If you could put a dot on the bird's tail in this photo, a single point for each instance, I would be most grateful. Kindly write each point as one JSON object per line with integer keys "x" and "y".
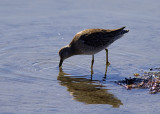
{"x": 120, "y": 31}
{"x": 124, "y": 31}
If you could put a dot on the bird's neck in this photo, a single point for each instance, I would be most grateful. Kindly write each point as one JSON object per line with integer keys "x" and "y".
{"x": 70, "y": 50}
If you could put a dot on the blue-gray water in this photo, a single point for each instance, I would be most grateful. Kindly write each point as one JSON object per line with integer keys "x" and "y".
{"x": 31, "y": 34}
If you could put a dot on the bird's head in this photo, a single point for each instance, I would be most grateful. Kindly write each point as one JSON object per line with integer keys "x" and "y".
{"x": 64, "y": 53}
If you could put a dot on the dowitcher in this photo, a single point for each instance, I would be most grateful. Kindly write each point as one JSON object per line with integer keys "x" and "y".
{"x": 90, "y": 42}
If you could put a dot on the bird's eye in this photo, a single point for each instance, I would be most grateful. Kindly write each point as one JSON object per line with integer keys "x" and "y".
{"x": 61, "y": 54}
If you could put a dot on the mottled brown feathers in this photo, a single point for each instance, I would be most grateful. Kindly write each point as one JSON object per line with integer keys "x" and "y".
{"x": 98, "y": 37}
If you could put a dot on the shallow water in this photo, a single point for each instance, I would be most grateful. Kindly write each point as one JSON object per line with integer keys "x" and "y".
{"x": 31, "y": 34}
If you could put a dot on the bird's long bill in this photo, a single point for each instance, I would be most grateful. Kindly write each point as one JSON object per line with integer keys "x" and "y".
{"x": 60, "y": 63}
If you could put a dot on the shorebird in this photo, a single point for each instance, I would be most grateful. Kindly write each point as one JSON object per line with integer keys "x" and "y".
{"x": 90, "y": 42}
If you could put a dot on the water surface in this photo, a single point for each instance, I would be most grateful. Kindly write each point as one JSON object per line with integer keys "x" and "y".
{"x": 31, "y": 34}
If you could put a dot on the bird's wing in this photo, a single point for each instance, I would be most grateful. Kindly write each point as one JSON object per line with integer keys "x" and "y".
{"x": 96, "y": 39}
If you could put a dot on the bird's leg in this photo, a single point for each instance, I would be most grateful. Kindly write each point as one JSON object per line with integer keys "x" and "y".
{"x": 92, "y": 66}
{"x": 105, "y": 75}
{"x": 107, "y": 63}
{"x": 107, "y": 56}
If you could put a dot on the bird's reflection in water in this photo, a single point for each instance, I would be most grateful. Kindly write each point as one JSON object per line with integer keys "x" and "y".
{"x": 87, "y": 91}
